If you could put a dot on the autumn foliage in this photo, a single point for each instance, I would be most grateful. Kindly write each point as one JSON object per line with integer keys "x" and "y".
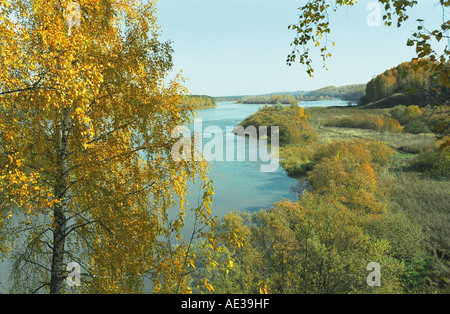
{"x": 86, "y": 173}
{"x": 292, "y": 121}
{"x": 376, "y": 122}
{"x": 323, "y": 242}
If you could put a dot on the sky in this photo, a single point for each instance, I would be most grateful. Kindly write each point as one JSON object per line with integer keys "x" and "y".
{"x": 239, "y": 47}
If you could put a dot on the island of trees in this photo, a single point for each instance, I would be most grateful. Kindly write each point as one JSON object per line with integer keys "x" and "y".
{"x": 269, "y": 99}
{"x": 199, "y": 102}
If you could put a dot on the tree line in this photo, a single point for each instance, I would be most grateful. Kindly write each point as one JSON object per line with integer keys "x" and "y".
{"x": 271, "y": 100}
{"x": 199, "y": 101}
{"x": 416, "y": 82}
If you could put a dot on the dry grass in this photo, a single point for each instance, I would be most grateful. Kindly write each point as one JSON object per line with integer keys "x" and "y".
{"x": 425, "y": 201}
{"x": 411, "y": 143}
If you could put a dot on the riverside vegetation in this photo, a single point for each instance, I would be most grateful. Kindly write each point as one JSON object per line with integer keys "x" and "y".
{"x": 373, "y": 186}
{"x": 365, "y": 195}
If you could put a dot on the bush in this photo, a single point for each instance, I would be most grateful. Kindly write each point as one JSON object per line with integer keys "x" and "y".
{"x": 292, "y": 121}
{"x": 348, "y": 169}
{"x": 296, "y": 160}
{"x": 393, "y": 126}
{"x": 316, "y": 245}
{"x": 357, "y": 150}
{"x": 380, "y": 152}
{"x": 398, "y": 113}
{"x": 365, "y": 121}
{"x": 417, "y": 127}
{"x": 434, "y": 161}
{"x": 354, "y": 149}
{"x": 422, "y": 120}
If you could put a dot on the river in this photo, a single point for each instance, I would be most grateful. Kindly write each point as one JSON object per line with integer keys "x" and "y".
{"x": 238, "y": 185}
{"x": 241, "y": 185}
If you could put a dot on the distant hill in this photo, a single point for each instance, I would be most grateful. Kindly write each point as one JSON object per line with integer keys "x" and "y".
{"x": 295, "y": 93}
{"x": 346, "y": 92}
{"x": 229, "y": 98}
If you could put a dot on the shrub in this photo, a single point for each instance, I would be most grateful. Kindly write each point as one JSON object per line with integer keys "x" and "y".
{"x": 398, "y": 113}
{"x": 292, "y": 121}
{"x": 365, "y": 121}
{"x": 296, "y": 159}
{"x": 356, "y": 150}
{"x": 417, "y": 127}
{"x": 381, "y": 153}
{"x": 393, "y": 126}
{"x": 434, "y": 161}
{"x": 422, "y": 120}
{"x": 347, "y": 169}
{"x": 412, "y": 112}
{"x": 316, "y": 245}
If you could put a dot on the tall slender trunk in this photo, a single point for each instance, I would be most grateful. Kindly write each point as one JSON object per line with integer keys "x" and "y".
{"x": 59, "y": 239}
{"x": 60, "y": 209}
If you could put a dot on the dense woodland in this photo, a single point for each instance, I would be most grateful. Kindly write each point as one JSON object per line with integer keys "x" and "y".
{"x": 411, "y": 83}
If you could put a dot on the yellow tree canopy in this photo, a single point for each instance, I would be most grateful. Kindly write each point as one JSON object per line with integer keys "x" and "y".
{"x": 86, "y": 174}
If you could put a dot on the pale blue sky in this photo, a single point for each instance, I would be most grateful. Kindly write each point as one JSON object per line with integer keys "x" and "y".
{"x": 236, "y": 47}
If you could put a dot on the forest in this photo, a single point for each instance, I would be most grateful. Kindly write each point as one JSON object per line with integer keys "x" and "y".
{"x": 411, "y": 83}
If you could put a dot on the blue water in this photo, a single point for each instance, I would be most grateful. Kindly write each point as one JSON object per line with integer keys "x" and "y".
{"x": 237, "y": 184}
{"x": 240, "y": 184}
